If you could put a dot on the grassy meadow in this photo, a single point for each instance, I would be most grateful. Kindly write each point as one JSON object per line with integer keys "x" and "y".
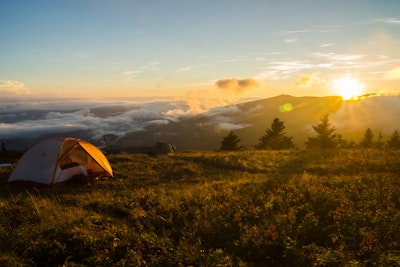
{"x": 245, "y": 208}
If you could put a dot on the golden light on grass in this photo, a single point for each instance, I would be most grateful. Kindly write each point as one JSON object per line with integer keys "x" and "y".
{"x": 348, "y": 87}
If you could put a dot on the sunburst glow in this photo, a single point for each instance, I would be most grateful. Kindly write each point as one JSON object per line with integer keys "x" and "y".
{"x": 348, "y": 87}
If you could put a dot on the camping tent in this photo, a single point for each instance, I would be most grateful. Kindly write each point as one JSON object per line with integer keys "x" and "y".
{"x": 57, "y": 160}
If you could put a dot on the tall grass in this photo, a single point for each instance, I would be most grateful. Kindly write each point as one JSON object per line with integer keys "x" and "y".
{"x": 247, "y": 208}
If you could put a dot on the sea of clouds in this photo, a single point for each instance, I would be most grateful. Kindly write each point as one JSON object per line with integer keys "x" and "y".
{"x": 30, "y": 118}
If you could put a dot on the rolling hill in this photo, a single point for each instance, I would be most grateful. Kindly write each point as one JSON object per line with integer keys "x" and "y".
{"x": 250, "y": 120}
{"x": 128, "y": 126}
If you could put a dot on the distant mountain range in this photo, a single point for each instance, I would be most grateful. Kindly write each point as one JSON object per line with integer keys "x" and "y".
{"x": 250, "y": 120}
{"x": 127, "y": 127}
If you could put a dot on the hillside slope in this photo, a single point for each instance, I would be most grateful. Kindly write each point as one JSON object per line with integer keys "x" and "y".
{"x": 141, "y": 125}
{"x": 250, "y": 208}
{"x": 250, "y": 120}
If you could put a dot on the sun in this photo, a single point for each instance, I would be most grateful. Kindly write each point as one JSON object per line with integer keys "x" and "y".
{"x": 348, "y": 87}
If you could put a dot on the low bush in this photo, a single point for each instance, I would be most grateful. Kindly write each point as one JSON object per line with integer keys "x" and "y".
{"x": 243, "y": 208}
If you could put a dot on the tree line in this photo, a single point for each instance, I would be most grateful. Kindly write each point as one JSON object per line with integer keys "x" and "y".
{"x": 325, "y": 138}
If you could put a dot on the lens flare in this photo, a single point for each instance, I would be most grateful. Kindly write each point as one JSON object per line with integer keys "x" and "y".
{"x": 285, "y": 107}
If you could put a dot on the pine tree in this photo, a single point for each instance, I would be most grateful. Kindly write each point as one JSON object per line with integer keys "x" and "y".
{"x": 394, "y": 141}
{"x": 325, "y": 138}
{"x": 367, "y": 141}
{"x": 275, "y": 138}
{"x": 379, "y": 144}
{"x": 230, "y": 143}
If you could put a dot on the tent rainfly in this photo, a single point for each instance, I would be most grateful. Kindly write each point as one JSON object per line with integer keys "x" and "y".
{"x": 57, "y": 160}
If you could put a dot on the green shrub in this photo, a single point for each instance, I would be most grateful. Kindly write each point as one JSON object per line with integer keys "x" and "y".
{"x": 245, "y": 208}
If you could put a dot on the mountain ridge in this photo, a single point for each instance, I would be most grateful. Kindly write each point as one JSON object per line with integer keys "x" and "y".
{"x": 249, "y": 121}
{"x": 132, "y": 126}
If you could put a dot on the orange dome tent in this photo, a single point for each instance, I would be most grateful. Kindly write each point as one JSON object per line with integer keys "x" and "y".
{"x": 57, "y": 160}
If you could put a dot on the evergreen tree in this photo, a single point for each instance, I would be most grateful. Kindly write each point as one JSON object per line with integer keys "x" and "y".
{"x": 274, "y": 138}
{"x": 350, "y": 144}
{"x": 379, "y": 144}
{"x": 325, "y": 138}
{"x": 230, "y": 143}
{"x": 367, "y": 141}
{"x": 341, "y": 142}
{"x": 394, "y": 140}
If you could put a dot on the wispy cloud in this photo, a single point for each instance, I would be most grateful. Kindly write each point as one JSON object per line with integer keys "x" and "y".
{"x": 321, "y": 61}
{"x": 327, "y": 44}
{"x": 290, "y": 32}
{"x": 340, "y": 61}
{"x": 393, "y": 74}
{"x": 132, "y": 74}
{"x": 269, "y": 75}
{"x": 355, "y": 61}
{"x": 338, "y": 57}
{"x": 328, "y": 28}
{"x": 184, "y": 69}
{"x": 291, "y": 35}
{"x": 283, "y": 69}
{"x": 395, "y": 21}
{"x": 291, "y": 40}
{"x": 290, "y": 66}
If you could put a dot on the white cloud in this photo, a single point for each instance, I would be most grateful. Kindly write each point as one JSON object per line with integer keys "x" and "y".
{"x": 291, "y": 40}
{"x": 294, "y": 31}
{"x": 295, "y": 65}
{"x": 269, "y": 75}
{"x": 390, "y": 21}
{"x": 283, "y": 69}
{"x": 224, "y": 126}
{"x": 339, "y": 57}
{"x": 131, "y": 74}
{"x": 99, "y": 119}
{"x": 13, "y": 88}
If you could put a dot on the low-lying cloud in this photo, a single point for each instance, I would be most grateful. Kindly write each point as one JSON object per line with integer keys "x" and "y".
{"x": 226, "y": 127}
{"x": 237, "y": 86}
{"x": 95, "y": 119}
{"x": 30, "y": 118}
{"x": 13, "y": 89}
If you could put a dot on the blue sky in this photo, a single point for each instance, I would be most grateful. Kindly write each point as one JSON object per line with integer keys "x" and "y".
{"x": 219, "y": 48}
